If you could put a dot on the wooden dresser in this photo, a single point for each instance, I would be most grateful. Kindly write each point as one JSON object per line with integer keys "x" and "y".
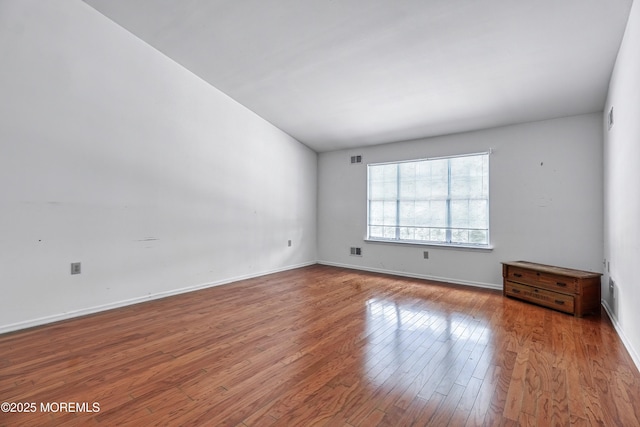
{"x": 572, "y": 291}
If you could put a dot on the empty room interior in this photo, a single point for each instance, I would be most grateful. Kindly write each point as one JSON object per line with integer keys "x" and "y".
{"x": 333, "y": 212}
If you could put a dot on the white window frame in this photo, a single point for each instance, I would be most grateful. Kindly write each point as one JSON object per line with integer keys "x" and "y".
{"x": 448, "y": 241}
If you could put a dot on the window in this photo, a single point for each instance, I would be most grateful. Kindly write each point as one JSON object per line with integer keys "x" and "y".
{"x": 434, "y": 201}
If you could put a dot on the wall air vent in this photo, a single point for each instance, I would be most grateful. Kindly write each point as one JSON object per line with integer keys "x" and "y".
{"x": 356, "y": 159}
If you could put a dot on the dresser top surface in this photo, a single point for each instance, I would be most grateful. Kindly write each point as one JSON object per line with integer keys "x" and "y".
{"x": 580, "y": 274}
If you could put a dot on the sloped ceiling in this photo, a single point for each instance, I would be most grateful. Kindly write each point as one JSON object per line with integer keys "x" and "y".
{"x": 346, "y": 73}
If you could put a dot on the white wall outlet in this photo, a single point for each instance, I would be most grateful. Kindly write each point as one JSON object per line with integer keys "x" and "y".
{"x": 75, "y": 268}
{"x": 612, "y": 288}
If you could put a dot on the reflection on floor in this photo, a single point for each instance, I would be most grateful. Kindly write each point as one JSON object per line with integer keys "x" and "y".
{"x": 325, "y": 346}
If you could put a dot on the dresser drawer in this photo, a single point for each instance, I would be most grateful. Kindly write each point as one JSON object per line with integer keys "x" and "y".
{"x": 551, "y": 299}
{"x": 565, "y": 289}
{"x": 549, "y": 281}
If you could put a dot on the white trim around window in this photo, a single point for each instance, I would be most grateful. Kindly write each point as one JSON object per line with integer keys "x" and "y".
{"x": 440, "y": 201}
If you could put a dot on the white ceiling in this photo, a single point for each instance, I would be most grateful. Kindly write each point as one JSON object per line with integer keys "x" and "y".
{"x": 346, "y": 73}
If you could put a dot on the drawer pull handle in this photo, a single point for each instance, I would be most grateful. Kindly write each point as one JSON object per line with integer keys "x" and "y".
{"x": 561, "y": 284}
{"x": 517, "y": 275}
{"x": 515, "y": 291}
{"x": 559, "y": 302}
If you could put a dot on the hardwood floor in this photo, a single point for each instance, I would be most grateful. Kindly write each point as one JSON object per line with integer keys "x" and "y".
{"x": 323, "y": 346}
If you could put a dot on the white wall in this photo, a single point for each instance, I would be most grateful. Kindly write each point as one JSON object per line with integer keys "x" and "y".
{"x": 546, "y": 202}
{"x": 622, "y": 188}
{"x": 117, "y": 157}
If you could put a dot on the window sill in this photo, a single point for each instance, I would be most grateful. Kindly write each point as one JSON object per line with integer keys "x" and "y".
{"x": 433, "y": 245}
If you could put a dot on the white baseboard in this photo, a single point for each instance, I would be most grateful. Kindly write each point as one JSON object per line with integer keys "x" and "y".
{"x": 415, "y": 275}
{"x": 104, "y": 307}
{"x": 632, "y": 352}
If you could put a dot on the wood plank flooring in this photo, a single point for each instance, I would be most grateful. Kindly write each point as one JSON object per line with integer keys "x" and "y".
{"x": 323, "y": 346}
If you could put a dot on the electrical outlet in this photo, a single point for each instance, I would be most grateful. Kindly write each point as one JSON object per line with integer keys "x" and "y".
{"x": 75, "y": 268}
{"x": 425, "y": 254}
{"x": 289, "y": 243}
{"x": 356, "y": 251}
{"x": 612, "y": 288}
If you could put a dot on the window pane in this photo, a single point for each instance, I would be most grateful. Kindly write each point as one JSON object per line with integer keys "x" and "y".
{"x": 407, "y": 180}
{"x": 407, "y": 213}
{"x": 459, "y": 235}
{"x": 479, "y": 237}
{"x": 376, "y": 213}
{"x": 382, "y": 182}
{"x": 421, "y": 234}
{"x": 389, "y": 233}
{"x": 438, "y": 179}
{"x": 437, "y": 216}
{"x": 479, "y": 214}
{"x": 438, "y": 235}
{"x": 469, "y": 177}
{"x": 375, "y": 191}
{"x": 407, "y": 233}
{"x": 460, "y": 213}
{"x": 376, "y": 232}
{"x": 389, "y": 190}
{"x": 389, "y": 213}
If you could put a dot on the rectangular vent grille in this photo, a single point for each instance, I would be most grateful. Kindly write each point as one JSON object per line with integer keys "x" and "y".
{"x": 356, "y": 159}
{"x": 356, "y": 251}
